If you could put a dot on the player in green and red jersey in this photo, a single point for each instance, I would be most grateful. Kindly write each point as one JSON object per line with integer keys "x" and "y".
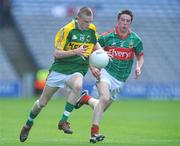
{"x": 74, "y": 43}
{"x": 122, "y": 44}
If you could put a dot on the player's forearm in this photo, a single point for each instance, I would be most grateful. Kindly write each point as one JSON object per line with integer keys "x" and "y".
{"x": 139, "y": 62}
{"x": 63, "y": 54}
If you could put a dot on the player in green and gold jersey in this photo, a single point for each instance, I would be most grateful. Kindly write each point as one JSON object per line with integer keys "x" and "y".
{"x": 74, "y": 43}
{"x": 122, "y": 44}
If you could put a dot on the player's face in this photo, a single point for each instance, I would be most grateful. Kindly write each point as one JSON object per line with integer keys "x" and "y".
{"x": 124, "y": 22}
{"x": 84, "y": 22}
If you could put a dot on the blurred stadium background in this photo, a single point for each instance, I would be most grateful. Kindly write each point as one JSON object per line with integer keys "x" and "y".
{"x": 27, "y": 31}
{"x": 28, "y": 27}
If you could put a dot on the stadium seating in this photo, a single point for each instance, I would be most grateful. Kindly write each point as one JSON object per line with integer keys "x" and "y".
{"x": 156, "y": 22}
{"x": 7, "y": 71}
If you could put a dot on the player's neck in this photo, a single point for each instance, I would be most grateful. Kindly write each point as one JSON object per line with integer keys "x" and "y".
{"x": 79, "y": 26}
{"x": 123, "y": 34}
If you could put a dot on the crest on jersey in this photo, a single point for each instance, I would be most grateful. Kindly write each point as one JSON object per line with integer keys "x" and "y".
{"x": 131, "y": 44}
{"x": 113, "y": 44}
{"x": 74, "y": 37}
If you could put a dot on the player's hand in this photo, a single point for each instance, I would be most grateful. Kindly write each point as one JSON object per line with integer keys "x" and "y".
{"x": 110, "y": 56}
{"x": 81, "y": 50}
{"x": 137, "y": 73}
{"x": 95, "y": 71}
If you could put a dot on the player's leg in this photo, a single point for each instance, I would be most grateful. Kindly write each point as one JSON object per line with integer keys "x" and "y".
{"x": 104, "y": 101}
{"x": 75, "y": 84}
{"x": 85, "y": 98}
{"x": 102, "y": 105}
{"x": 38, "y": 105}
{"x": 109, "y": 89}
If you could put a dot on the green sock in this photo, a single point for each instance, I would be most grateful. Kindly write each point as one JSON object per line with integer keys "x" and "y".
{"x": 68, "y": 109}
{"x": 31, "y": 117}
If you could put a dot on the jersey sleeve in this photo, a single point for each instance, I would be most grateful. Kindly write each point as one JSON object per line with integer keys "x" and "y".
{"x": 95, "y": 34}
{"x": 61, "y": 39}
{"x": 139, "y": 49}
{"x": 96, "y": 37}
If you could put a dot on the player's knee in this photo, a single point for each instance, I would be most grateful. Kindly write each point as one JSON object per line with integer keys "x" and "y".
{"x": 104, "y": 100}
{"x": 78, "y": 88}
{"x": 40, "y": 104}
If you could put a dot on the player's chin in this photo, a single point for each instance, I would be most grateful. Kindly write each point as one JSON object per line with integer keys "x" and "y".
{"x": 85, "y": 27}
{"x": 125, "y": 29}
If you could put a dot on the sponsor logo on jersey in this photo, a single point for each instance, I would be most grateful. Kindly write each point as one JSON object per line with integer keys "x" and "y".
{"x": 88, "y": 38}
{"x": 82, "y": 37}
{"x": 75, "y": 45}
{"x": 121, "y": 53}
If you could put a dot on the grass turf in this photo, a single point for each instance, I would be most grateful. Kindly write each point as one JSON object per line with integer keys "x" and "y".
{"x": 126, "y": 123}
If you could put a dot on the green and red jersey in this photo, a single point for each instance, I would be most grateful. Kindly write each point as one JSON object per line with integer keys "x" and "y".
{"x": 70, "y": 37}
{"x": 123, "y": 51}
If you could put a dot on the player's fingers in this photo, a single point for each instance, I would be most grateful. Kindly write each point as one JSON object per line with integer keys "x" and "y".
{"x": 137, "y": 73}
{"x": 81, "y": 47}
{"x": 110, "y": 55}
{"x": 84, "y": 47}
{"x": 96, "y": 74}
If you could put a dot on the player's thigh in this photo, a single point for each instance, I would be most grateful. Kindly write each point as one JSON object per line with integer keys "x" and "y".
{"x": 47, "y": 93}
{"x": 75, "y": 82}
{"x": 103, "y": 90}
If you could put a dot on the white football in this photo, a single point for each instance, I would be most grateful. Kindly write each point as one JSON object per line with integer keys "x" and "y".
{"x": 99, "y": 59}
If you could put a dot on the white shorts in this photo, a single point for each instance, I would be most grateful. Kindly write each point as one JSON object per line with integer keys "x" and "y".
{"x": 56, "y": 79}
{"x": 115, "y": 86}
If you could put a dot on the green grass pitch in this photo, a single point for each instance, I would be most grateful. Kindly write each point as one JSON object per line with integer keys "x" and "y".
{"x": 126, "y": 123}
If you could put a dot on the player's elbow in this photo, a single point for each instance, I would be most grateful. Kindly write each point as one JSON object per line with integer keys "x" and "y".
{"x": 57, "y": 54}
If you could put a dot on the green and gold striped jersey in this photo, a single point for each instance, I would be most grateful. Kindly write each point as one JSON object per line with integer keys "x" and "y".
{"x": 70, "y": 37}
{"x": 122, "y": 50}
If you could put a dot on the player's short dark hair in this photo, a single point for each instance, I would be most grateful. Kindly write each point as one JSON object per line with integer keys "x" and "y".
{"x": 128, "y": 12}
{"x": 84, "y": 11}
